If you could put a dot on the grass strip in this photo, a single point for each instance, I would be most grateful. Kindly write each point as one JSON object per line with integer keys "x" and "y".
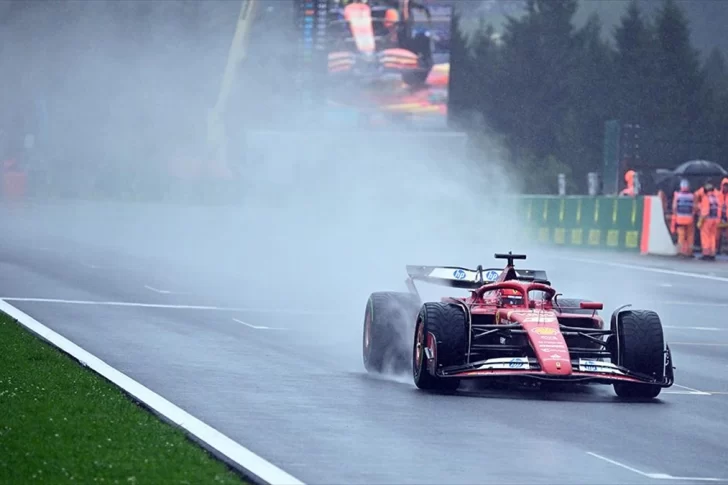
{"x": 61, "y": 423}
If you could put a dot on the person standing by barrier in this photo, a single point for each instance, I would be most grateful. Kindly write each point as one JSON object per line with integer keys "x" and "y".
{"x": 683, "y": 219}
{"x": 699, "y": 194}
{"x": 723, "y": 206}
{"x": 629, "y": 180}
{"x": 708, "y": 222}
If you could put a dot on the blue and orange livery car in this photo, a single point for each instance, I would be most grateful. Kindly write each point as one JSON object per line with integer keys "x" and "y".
{"x": 372, "y": 41}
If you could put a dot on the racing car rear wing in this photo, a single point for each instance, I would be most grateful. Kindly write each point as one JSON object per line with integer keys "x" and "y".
{"x": 469, "y": 279}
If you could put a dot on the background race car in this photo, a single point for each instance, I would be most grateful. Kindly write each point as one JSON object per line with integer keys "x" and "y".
{"x": 369, "y": 40}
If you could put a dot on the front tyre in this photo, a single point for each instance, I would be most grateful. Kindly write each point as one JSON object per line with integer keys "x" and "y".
{"x": 641, "y": 345}
{"x": 442, "y": 329}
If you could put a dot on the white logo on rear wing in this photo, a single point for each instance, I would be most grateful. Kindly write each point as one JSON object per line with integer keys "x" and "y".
{"x": 459, "y": 277}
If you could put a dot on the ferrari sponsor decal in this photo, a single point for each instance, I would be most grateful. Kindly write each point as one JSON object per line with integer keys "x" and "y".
{"x": 517, "y": 363}
{"x": 558, "y": 357}
{"x": 491, "y": 275}
{"x": 550, "y": 343}
{"x": 459, "y": 274}
{"x": 554, "y": 350}
{"x": 506, "y": 363}
{"x": 540, "y": 318}
{"x": 586, "y": 365}
{"x": 545, "y": 344}
{"x": 544, "y": 330}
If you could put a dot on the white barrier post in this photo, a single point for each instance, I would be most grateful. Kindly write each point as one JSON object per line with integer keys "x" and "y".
{"x": 593, "y": 182}
{"x": 562, "y": 184}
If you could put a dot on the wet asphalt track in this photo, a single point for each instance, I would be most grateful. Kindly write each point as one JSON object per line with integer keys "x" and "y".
{"x": 295, "y": 392}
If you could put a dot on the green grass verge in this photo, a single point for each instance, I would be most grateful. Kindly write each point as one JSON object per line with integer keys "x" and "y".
{"x": 61, "y": 423}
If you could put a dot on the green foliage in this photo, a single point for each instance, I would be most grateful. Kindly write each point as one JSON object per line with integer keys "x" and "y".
{"x": 549, "y": 87}
{"x": 64, "y": 424}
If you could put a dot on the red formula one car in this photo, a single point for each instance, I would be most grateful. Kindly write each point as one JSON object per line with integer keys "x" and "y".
{"x": 513, "y": 325}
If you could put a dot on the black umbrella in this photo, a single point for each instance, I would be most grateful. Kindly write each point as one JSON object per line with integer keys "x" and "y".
{"x": 700, "y": 168}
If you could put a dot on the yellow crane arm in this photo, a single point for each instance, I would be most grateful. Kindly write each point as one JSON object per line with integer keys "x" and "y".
{"x": 238, "y": 49}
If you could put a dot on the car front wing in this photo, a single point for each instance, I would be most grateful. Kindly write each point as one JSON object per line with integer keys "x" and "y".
{"x": 585, "y": 370}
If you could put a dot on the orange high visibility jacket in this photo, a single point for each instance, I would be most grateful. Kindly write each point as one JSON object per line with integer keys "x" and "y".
{"x": 699, "y": 194}
{"x": 710, "y": 205}
{"x": 723, "y": 200}
{"x": 683, "y": 208}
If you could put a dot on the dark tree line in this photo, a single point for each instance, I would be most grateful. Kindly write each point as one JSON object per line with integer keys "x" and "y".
{"x": 547, "y": 88}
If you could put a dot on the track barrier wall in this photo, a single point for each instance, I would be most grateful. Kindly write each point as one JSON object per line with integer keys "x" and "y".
{"x": 630, "y": 224}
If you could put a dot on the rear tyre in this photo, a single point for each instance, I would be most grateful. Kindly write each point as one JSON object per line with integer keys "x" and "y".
{"x": 389, "y": 320}
{"x": 447, "y": 323}
{"x": 571, "y": 305}
{"x": 641, "y": 345}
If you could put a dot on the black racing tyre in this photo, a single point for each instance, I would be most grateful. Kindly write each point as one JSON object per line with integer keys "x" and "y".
{"x": 571, "y": 305}
{"x": 641, "y": 345}
{"x": 389, "y": 321}
{"x": 447, "y": 322}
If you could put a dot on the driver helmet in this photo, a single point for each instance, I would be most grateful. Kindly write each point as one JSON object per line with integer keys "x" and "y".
{"x": 391, "y": 17}
{"x": 510, "y": 297}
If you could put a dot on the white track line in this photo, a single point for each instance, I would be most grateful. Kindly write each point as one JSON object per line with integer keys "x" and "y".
{"x": 164, "y": 292}
{"x": 712, "y": 329}
{"x": 256, "y": 326}
{"x": 119, "y": 303}
{"x": 656, "y": 476}
{"x": 693, "y": 391}
{"x": 688, "y": 393}
{"x": 219, "y": 444}
{"x": 686, "y": 303}
{"x": 700, "y": 344}
{"x": 621, "y": 465}
{"x": 646, "y": 268}
{"x": 170, "y": 306}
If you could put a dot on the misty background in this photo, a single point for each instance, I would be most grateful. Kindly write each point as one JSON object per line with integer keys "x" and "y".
{"x": 117, "y": 94}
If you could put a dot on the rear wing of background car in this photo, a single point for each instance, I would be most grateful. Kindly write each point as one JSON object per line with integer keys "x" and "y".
{"x": 468, "y": 279}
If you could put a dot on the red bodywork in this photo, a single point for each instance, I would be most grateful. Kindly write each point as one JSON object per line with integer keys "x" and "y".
{"x": 538, "y": 318}
{"x": 543, "y": 324}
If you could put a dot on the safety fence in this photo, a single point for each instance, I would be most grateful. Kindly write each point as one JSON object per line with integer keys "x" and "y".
{"x": 597, "y": 222}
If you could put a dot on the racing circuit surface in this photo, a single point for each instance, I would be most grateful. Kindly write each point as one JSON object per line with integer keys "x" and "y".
{"x": 229, "y": 336}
